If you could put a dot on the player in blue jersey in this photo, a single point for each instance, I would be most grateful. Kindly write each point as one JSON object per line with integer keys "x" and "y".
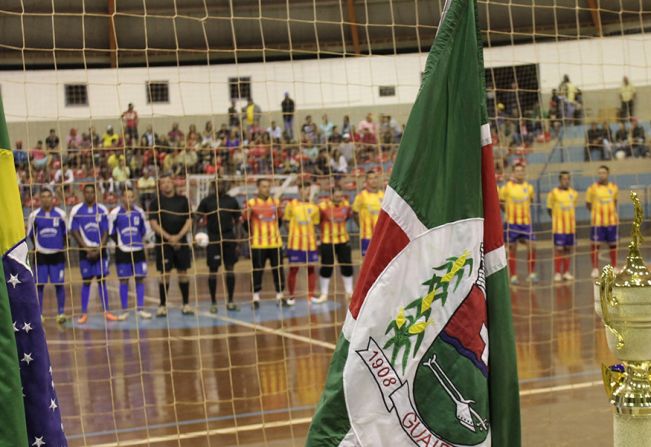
{"x": 46, "y": 227}
{"x": 128, "y": 226}
{"x": 89, "y": 227}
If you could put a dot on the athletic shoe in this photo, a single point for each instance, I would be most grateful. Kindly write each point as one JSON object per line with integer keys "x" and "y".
{"x": 232, "y": 307}
{"x": 558, "y": 277}
{"x": 213, "y": 309}
{"x": 288, "y": 301}
{"x": 568, "y": 276}
{"x": 123, "y": 316}
{"x": 514, "y": 279}
{"x": 187, "y": 310}
{"x": 595, "y": 273}
{"x": 322, "y": 299}
{"x": 162, "y": 311}
{"x": 61, "y": 318}
{"x": 108, "y": 316}
{"x": 533, "y": 277}
{"x": 144, "y": 314}
{"x": 255, "y": 304}
{"x": 83, "y": 319}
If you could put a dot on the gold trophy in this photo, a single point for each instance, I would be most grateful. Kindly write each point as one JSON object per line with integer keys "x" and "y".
{"x": 623, "y": 301}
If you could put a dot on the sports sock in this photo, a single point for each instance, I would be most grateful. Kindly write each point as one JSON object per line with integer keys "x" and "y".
{"x": 566, "y": 262}
{"x": 532, "y": 260}
{"x": 558, "y": 263}
{"x": 185, "y": 291}
{"x": 291, "y": 280}
{"x": 311, "y": 280}
{"x": 103, "y": 294}
{"x": 594, "y": 254}
{"x": 140, "y": 294}
{"x": 163, "y": 287}
{"x": 613, "y": 256}
{"x": 512, "y": 263}
{"x": 212, "y": 287}
{"x": 61, "y": 298}
{"x": 348, "y": 284}
{"x": 325, "y": 285}
{"x": 85, "y": 297}
{"x": 230, "y": 285}
{"x": 124, "y": 295}
{"x": 40, "y": 289}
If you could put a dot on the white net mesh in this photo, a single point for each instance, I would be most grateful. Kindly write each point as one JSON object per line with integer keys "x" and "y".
{"x": 70, "y": 69}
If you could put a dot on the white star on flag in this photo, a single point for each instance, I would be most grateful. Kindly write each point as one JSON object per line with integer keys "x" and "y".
{"x": 13, "y": 280}
{"x": 27, "y": 358}
{"x": 27, "y": 327}
{"x": 15, "y": 328}
{"x": 53, "y": 405}
{"x": 38, "y": 442}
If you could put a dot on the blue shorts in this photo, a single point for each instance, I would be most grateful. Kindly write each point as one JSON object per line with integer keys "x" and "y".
{"x": 365, "y": 244}
{"x": 94, "y": 269}
{"x": 563, "y": 240}
{"x": 515, "y": 232}
{"x": 604, "y": 234}
{"x": 52, "y": 271}
{"x": 302, "y": 256}
{"x": 127, "y": 270}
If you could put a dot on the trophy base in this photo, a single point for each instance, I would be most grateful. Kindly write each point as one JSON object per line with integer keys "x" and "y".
{"x": 632, "y": 431}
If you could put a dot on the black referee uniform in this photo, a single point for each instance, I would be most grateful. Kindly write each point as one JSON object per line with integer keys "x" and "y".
{"x": 222, "y": 214}
{"x": 171, "y": 213}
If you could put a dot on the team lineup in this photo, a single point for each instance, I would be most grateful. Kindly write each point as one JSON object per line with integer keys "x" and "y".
{"x": 317, "y": 236}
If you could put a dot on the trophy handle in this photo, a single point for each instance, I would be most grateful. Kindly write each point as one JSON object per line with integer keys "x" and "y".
{"x": 607, "y": 299}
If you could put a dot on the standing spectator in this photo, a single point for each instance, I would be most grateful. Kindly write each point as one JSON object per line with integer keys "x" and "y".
{"x": 110, "y": 138}
{"x": 622, "y": 146}
{"x": 130, "y": 124}
{"x": 396, "y": 129}
{"x": 567, "y": 93}
{"x": 208, "y": 136}
{"x": 39, "y": 158}
{"x": 169, "y": 217}
{"x": 309, "y": 130}
{"x": 21, "y": 159}
{"x": 52, "y": 141}
{"x": 73, "y": 140}
{"x": 627, "y": 97}
{"x": 275, "y": 132}
{"x": 287, "y": 107}
{"x": 325, "y": 128}
{"x": 594, "y": 146}
{"x": 638, "y": 147}
{"x": 233, "y": 115}
{"x": 175, "y": 136}
{"x": 251, "y": 113}
{"x": 149, "y": 138}
{"x": 346, "y": 127}
{"x": 335, "y": 138}
{"x": 347, "y": 148}
{"x": 367, "y": 124}
{"x": 95, "y": 140}
{"x": 122, "y": 174}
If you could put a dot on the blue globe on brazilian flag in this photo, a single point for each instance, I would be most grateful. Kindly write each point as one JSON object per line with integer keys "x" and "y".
{"x": 426, "y": 356}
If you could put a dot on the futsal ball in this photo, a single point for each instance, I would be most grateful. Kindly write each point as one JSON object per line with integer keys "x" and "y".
{"x": 201, "y": 239}
{"x": 620, "y": 155}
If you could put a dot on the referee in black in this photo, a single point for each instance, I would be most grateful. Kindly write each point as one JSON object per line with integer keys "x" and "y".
{"x": 170, "y": 218}
{"x": 222, "y": 215}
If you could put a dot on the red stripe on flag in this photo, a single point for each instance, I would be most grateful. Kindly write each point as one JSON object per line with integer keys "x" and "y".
{"x": 493, "y": 236}
{"x": 388, "y": 240}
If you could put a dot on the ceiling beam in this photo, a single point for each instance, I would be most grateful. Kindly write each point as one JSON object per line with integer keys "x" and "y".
{"x": 596, "y": 16}
{"x": 113, "y": 39}
{"x": 352, "y": 20}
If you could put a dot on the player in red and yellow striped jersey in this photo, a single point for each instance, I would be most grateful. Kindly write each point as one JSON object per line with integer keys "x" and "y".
{"x": 516, "y": 197}
{"x": 303, "y": 217}
{"x": 366, "y": 208}
{"x": 263, "y": 215}
{"x": 335, "y": 240}
{"x": 601, "y": 200}
{"x": 561, "y": 205}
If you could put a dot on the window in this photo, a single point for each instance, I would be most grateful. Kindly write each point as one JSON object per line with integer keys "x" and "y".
{"x": 239, "y": 88}
{"x": 158, "y": 92}
{"x": 76, "y": 95}
{"x": 387, "y": 90}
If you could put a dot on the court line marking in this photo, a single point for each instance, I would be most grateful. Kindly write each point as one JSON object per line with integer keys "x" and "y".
{"x": 205, "y": 433}
{"x": 557, "y": 388}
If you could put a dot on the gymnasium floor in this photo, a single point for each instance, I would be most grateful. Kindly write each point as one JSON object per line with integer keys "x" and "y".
{"x": 239, "y": 378}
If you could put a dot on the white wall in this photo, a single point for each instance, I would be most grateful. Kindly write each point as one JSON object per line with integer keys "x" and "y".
{"x": 328, "y": 83}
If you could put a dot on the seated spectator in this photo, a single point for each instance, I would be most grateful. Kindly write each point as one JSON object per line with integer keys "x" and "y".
{"x": 187, "y": 159}
{"x": 38, "y": 157}
{"x": 21, "y": 159}
{"x": 149, "y": 138}
{"x": 323, "y": 164}
{"x": 208, "y": 137}
{"x": 73, "y": 140}
{"x": 594, "y": 146}
{"x": 175, "y": 135}
{"x": 122, "y": 174}
{"x": 63, "y": 176}
{"x": 338, "y": 161}
{"x": 622, "y": 144}
{"x": 347, "y": 148}
{"x": 275, "y": 132}
{"x": 396, "y": 129}
{"x": 52, "y": 141}
{"x": 309, "y": 131}
{"x": 110, "y": 138}
{"x": 367, "y": 124}
{"x": 345, "y": 126}
{"x": 335, "y": 138}
{"x": 105, "y": 182}
{"x": 638, "y": 145}
{"x": 193, "y": 134}
{"x": 223, "y": 132}
{"x": 309, "y": 150}
{"x": 607, "y": 135}
{"x": 325, "y": 129}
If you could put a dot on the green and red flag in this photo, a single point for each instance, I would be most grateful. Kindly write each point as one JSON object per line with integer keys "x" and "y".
{"x": 427, "y": 354}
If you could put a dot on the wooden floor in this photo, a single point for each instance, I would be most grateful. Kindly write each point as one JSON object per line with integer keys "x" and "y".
{"x": 239, "y": 378}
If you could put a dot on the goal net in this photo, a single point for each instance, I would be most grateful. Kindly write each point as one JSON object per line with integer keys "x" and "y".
{"x": 244, "y": 121}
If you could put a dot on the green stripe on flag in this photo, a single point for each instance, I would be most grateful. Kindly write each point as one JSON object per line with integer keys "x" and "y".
{"x": 438, "y": 163}
{"x": 13, "y": 428}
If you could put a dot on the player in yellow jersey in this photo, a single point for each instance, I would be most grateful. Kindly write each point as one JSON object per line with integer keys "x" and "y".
{"x": 263, "y": 216}
{"x": 366, "y": 208}
{"x": 561, "y": 205}
{"x": 601, "y": 200}
{"x": 335, "y": 240}
{"x": 516, "y": 197}
{"x": 303, "y": 217}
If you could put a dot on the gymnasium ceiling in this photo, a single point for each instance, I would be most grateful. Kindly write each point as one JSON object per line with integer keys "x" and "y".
{"x": 104, "y": 33}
